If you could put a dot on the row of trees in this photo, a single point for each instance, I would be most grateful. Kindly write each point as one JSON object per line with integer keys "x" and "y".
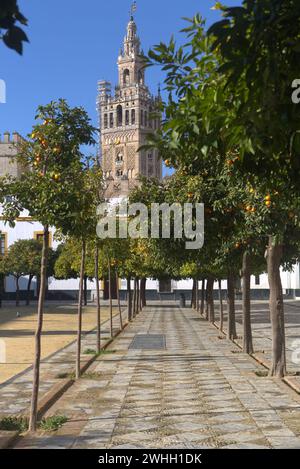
{"x": 232, "y": 134}
{"x": 58, "y": 188}
{"x": 61, "y": 188}
{"x": 24, "y": 260}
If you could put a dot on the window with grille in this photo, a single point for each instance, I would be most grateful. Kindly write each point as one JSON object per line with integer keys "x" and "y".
{"x": 105, "y": 121}
{"x": 133, "y": 116}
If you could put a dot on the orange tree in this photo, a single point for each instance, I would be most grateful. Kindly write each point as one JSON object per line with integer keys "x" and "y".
{"x": 83, "y": 228}
{"x": 260, "y": 56}
{"x": 220, "y": 110}
{"x": 49, "y": 189}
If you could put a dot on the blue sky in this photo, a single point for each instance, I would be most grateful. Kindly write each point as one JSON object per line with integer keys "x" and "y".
{"x": 73, "y": 44}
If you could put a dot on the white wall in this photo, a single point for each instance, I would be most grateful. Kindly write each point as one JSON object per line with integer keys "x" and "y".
{"x": 26, "y": 229}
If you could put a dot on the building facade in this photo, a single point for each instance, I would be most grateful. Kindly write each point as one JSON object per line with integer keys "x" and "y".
{"x": 125, "y": 120}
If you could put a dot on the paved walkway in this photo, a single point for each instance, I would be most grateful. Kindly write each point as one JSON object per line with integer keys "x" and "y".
{"x": 262, "y": 333}
{"x": 198, "y": 392}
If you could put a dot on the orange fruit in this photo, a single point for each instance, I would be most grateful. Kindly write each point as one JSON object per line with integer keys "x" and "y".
{"x": 268, "y": 203}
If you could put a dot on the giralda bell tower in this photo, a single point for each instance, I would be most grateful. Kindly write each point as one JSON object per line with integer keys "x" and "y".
{"x": 126, "y": 118}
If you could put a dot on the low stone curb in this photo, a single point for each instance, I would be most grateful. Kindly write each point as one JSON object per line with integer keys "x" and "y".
{"x": 9, "y": 438}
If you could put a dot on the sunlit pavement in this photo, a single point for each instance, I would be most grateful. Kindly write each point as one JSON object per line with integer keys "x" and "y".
{"x": 195, "y": 393}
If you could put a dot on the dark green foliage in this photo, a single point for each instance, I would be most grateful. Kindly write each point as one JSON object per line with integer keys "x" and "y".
{"x": 10, "y": 15}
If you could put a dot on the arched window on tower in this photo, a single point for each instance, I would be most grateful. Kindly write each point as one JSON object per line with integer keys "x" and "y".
{"x": 126, "y": 77}
{"x": 142, "y": 117}
{"x": 119, "y": 115}
{"x": 146, "y": 119}
{"x": 105, "y": 121}
{"x": 133, "y": 116}
{"x": 111, "y": 120}
{"x": 127, "y": 117}
{"x": 119, "y": 158}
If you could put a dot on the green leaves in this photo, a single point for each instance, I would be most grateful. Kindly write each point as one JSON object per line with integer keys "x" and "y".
{"x": 56, "y": 188}
{"x": 9, "y": 16}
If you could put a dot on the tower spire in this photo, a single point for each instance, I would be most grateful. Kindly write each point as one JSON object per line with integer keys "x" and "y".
{"x": 131, "y": 40}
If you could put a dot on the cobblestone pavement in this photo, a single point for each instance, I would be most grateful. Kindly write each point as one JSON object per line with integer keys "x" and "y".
{"x": 262, "y": 334}
{"x": 196, "y": 393}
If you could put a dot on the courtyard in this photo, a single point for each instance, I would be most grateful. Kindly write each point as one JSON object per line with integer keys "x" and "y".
{"x": 192, "y": 390}
{"x": 60, "y": 329}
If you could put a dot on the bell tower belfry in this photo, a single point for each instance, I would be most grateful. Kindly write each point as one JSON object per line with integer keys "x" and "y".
{"x": 126, "y": 118}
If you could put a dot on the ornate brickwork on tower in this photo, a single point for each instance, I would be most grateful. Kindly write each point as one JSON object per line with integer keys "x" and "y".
{"x": 125, "y": 120}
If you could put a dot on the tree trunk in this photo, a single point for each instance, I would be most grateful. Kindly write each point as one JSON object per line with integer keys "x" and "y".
{"x": 274, "y": 255}
{"x": 134, "y": 297}
{"x": 17, "y": 291}
{"x": 247, "y": 330}
{"x": 110, "y": 300}
{"x": 193, "y": 300}
{"x": 129, "y": 300}
{"x": 143, "y": 292}
{"x": 98, "y": 306}
{"x": 28, "y": 289}
{"x": 38, "y": 333}
{"x": 202, "y": 297}
{"x": 85, "y": 290}
{"x": 38, "y": 284}
{"x": 221, "y": 326}
{"x": 210, "y": 299}
{"x": 118, "y": 298}
{"x": 231, "y": 307}
{"x": 80, "y": 298}
{"x": 197, "y": 295}
{"x": 138, "y": 296}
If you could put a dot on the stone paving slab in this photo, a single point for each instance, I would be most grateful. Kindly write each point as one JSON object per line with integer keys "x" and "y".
{"x": 261, "y": 331}
{"x": 194, "y": 394}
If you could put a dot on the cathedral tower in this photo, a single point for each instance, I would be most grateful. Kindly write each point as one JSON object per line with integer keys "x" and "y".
{"x": 126, "y": 118}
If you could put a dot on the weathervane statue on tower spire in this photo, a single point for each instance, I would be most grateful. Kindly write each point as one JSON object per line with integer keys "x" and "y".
{"x": 133, "y": 8}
